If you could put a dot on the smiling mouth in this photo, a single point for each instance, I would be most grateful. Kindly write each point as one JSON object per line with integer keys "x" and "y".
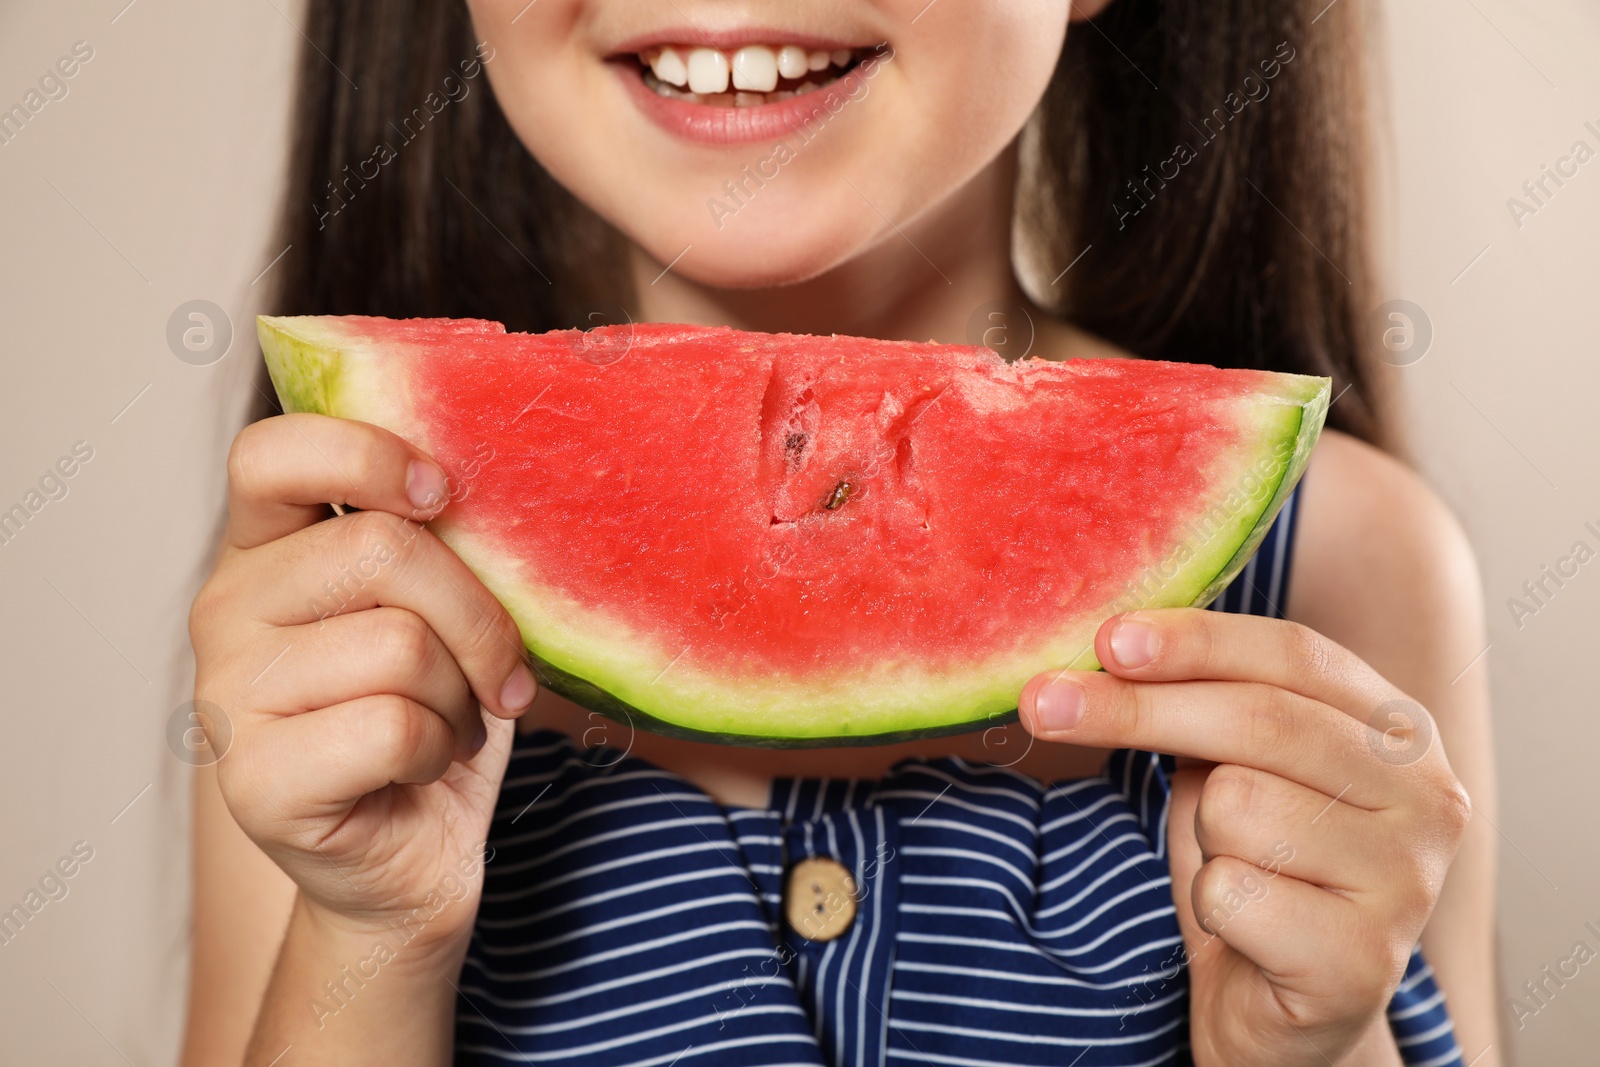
{"x": 746, "y": 77}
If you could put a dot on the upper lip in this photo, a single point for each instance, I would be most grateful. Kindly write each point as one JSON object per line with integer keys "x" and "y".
{"x": 732, "y": 39}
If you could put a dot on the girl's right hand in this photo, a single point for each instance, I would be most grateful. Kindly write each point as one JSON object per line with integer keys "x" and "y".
{"x": 350, "y": 656}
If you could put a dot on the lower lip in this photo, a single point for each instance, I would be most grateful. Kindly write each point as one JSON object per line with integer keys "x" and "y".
{"x": 742, "y": 125}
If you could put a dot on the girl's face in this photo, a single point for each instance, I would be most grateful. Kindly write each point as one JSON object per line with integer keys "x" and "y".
{"x": 763, "y": 142}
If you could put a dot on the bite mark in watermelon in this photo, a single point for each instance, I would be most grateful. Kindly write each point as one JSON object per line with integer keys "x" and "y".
{"x": 791, "y": 540}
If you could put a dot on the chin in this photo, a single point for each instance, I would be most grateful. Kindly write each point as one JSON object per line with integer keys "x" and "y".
{"x": 772, "y": 142}
{"x": 766, "y": 245}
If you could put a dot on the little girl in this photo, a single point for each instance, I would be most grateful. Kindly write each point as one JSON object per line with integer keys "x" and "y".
{"x": 1241, "y": 844}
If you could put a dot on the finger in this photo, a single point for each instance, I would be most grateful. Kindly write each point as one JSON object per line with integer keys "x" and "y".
{"x": 1307, "y": 940}
{"x": 1177, "y": 644}
{"x": 1246, "y": 723}
{"x": 374, "y": 559}
{"x": 380, "y": 650}
{"x": 1184, "y": 858}
{"x": 283, "y": 471}
{"x": 324, "y": 761}
{"x": 1280, "y": 826}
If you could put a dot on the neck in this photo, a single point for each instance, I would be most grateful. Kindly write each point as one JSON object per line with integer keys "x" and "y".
{"x": 921, "y": 281}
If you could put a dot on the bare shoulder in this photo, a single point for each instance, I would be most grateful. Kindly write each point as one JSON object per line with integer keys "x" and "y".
{"x": 1383, "y": 566}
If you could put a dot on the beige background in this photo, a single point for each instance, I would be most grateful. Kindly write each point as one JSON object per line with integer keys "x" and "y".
{"x": 151, "y": 184}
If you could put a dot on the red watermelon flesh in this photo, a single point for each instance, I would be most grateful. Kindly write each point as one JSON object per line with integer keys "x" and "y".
{"x": 785, "y": 539}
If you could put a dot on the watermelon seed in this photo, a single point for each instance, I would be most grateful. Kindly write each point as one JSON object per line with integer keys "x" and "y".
{"x": 794, "y": 446}
{"x": 841, "y": 493}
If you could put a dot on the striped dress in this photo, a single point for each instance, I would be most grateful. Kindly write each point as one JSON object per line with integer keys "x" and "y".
{"x": 628, "y": 918}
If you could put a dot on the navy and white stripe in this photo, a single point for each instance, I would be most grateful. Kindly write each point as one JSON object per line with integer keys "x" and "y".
{"x": 628, "y": 918}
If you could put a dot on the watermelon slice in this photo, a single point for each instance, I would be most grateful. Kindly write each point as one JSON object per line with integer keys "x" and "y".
{"x": 790, "y": 540}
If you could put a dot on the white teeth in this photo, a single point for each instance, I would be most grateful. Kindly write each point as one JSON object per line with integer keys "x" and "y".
{"x": 708, "y": 71}
{"x": 669, "y": 66}
{"x": 755, "y": 68}
{"x": 792, "y": 61}
{"x": 704, "y": 75}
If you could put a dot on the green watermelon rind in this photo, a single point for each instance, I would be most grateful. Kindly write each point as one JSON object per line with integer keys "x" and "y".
{"x": 601, "y": 671}
{"x": 1313, "y": 414}
{"x": 305, "y": 374}
{"x": 581, "y": 691}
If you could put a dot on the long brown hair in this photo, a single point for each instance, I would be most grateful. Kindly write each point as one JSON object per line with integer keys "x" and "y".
{"x": 1249, "y": 252}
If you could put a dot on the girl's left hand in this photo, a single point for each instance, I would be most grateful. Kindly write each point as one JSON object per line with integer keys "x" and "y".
{"x": 1308, "y": 846}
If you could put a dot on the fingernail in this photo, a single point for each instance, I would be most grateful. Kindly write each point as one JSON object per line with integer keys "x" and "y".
{"x": 1058, "y": 705}
{"x": 518, "y": 691}
{"x": 480, "y": 737}
{"x": 1133, "y": 644}
{"x": 425, "y": 485}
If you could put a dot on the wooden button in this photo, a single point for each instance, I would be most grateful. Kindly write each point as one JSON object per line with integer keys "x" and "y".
{"x": 821, "y": 898}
